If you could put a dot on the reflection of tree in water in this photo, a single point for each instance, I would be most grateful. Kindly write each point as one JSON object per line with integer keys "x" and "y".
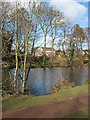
{"x": 52, "y": 81}
{"x": 76, "y": 75}
{"x": 54, "y": 77}
{"x": 71, "y": 74}
{"x": 34, "y": 82}
{"x": 44, "y": 80}
{"x": 63, "y": 74}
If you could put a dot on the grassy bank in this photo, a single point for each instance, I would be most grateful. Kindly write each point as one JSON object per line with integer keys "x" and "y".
{"x": 20, "y": 102}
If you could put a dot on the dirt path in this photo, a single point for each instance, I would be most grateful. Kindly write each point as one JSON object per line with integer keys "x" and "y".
{"x": 50, "y": 110}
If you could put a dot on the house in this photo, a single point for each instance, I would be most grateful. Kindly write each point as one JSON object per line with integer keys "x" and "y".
{"x": 59, "y": 53}
{"x": 86, "y": 51}
{"x": 39, "y": 51}
{"x": 83, "y": 52}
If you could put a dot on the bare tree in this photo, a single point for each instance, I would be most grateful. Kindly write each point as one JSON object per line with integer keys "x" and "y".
{"x": 31, "y": 25}
{"x": 55, "y": 18}
{"x": 79, "y": 36}
{"x": 44, "y": 21}
{"x": 7, "y": 28}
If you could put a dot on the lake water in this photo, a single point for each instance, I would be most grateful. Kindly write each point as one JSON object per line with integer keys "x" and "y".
{"x": 41, "y": 80}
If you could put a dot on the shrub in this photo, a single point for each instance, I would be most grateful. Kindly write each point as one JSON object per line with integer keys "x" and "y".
{"x": 85, "y": 61}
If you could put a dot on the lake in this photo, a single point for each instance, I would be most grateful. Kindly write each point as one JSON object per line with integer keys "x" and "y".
{"x": 41, "y": 80}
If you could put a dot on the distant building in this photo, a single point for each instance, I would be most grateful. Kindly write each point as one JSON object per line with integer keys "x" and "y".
{"x": 39, "y": 51}
{"x": 83, "y": 52}
{"x": 59, "y": 53}
{"x": 86, "y": 51}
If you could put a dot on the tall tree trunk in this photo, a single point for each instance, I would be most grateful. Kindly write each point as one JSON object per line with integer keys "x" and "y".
{"x": 77, "y": 47}
{"x": 52, "y": 53}
{"x": 71, "y": 52}
{"x": 63, "y": 50}
{"x": 16, "y": 49}
{"x": 53, "y": 38}
{"x": 45, "y": 44}
{"x": 81, "y": 43}
{"x": 63, "y": 44}
{"x": 81, "y": 51}
{"x": 25, "y": 60}
{"x": 30, "y": 59}
{"x": 44, "y": 57}
{"x": 26, "y": 50}
{"x": 52, "y": 43}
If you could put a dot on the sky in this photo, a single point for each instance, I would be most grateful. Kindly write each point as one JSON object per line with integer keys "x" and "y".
{"x": 75, "y": 10}
{"x": 89, "y": 15}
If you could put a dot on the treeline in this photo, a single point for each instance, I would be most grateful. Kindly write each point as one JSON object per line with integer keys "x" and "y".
{"x": 22, "y": 28}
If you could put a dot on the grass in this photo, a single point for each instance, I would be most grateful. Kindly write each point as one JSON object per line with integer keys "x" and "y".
{"x": 13, "y": 103}
{"x": 83, "y": 113}
{"x": 56, "y": 61}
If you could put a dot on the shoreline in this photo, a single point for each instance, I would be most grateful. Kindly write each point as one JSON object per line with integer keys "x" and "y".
{"x": 24, "y": 101}
{"x": 6, "y": 65}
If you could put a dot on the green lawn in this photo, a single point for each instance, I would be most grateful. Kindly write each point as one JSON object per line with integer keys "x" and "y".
{"x": 20, "y": 102}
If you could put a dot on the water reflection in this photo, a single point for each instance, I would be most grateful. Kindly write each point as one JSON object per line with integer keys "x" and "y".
{"x": 41, "y": 80}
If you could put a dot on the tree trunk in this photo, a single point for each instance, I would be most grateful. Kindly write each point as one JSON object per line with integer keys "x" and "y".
{"x": 52, "y": 43}
{"x": 63, "y": 44}
{"x": 81, "y": 52}
{"x": 53, "y": 38}
{"x": 52, "y": 54}
{"x": 63, "y": 50}
{"x": 44, "y": 57}
{"x": 25, "y": 60}
{"x": 16, "y": 50}
{"x": 30, "y": 59}
{"x": 72, "y": 54}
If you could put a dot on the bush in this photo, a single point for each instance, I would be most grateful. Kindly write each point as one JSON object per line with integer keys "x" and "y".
{"x": 85, "y": 55}
{"x": 85, "y": 61}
